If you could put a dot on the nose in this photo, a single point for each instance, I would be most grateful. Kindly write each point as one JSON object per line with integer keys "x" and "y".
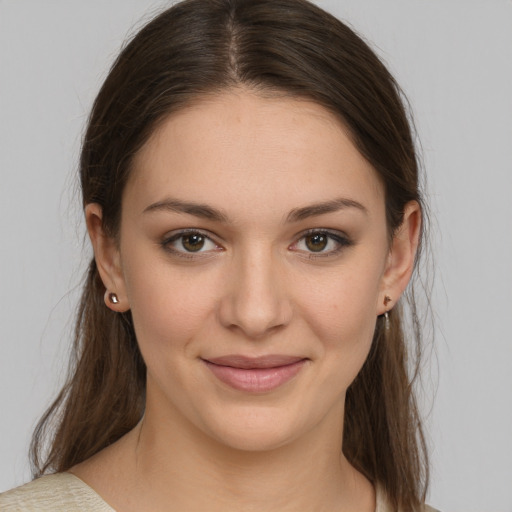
{"x": 256, "y": 300}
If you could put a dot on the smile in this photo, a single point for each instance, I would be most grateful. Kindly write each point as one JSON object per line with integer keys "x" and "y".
{"x": 255, "y": 375}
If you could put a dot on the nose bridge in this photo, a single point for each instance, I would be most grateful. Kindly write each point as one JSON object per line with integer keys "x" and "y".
{"x": 256, "y": 300}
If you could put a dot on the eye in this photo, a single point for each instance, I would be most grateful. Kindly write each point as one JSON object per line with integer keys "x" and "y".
{"x": 318, "y": 243}
{"x": 187, "y": 243}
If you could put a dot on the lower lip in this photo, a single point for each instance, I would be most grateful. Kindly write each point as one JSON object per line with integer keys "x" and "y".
{"x": 255, "y": 380}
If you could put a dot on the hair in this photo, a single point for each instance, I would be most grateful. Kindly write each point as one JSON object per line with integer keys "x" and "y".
{"x": 198, "y": 48}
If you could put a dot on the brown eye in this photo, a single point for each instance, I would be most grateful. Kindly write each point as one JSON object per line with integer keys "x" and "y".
{"x": 190, "y": 244}
{"x": 193, "y": 242}
{"x": 316, "y": 242}
{"x": 319, "y": 243}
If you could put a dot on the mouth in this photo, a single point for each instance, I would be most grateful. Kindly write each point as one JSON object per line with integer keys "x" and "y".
{"x": 255, "y": 375}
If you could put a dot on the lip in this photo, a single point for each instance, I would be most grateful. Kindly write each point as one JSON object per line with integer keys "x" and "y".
{"x": 255, "y": 374}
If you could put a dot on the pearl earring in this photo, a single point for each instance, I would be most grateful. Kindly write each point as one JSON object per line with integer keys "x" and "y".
{"x": 112, "y": 297}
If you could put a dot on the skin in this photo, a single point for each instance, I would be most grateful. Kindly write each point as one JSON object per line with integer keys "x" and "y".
{"x": 255, "y": 288}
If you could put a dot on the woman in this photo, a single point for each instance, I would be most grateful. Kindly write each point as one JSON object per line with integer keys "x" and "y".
{"x": 251, "y": 193}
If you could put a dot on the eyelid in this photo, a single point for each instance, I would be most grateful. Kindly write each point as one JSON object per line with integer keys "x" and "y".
{"x": 339, "y": 237}
{"x": 177, "y": 234}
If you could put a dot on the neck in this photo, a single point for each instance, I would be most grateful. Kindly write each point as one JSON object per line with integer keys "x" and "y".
{"x": 167, "y": 460}
{"x": 182, "y": 465}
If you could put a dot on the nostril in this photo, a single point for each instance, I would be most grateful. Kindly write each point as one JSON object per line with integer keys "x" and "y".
{"x": 255, "y": 299}
{"x": 254, "y": 318}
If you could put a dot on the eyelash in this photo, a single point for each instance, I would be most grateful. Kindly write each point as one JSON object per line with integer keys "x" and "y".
{"x": 191, "y": 255}
{"x": 341, "y": 240}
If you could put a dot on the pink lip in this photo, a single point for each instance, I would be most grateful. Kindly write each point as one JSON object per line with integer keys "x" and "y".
{"x": 255, "y": 375}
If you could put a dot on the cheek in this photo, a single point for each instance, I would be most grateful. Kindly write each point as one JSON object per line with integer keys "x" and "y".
{"x": 340, "y": 309}
{"x": 169, "y": 305}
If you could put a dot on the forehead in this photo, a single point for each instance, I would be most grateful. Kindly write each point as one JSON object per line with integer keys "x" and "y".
{"x": 242, "y": 151}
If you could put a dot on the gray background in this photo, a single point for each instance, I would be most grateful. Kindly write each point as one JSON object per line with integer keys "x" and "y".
{"x": 454, "y": 60}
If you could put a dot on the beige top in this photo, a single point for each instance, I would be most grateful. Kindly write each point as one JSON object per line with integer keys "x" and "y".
{"x": 64, "y": 492}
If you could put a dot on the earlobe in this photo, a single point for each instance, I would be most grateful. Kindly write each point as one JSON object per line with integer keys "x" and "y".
{"x": 401, "y": 257}
{"x": 106, "y": 254}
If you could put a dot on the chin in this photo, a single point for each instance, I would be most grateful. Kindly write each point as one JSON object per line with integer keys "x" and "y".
{"x": 255, "y": 429}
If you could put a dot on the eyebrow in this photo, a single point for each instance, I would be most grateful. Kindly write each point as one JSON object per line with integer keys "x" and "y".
{"x": 197, "y": 209}
{"x": 297, "y": 214}
{"x": 313, "y": 210}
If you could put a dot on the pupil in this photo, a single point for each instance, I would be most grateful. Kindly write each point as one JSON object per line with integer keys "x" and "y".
{"x": 193, "y": 243}
{"x": 316, "y": 243}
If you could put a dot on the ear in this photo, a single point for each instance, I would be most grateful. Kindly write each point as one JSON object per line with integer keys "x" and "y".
{"x": 401, "y": 257}
{"x": 108, "y": 261}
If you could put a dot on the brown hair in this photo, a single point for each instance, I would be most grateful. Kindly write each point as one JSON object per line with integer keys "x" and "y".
{"x": 201, "y": 47}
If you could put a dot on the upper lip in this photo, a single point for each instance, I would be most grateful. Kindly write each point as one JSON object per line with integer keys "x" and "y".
{"x": 248, "y": 363}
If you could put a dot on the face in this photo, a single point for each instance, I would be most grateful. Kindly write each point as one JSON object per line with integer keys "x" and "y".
{"x": 254, "y": 256}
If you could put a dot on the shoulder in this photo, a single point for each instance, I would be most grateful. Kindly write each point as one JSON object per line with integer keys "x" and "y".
{"x": 383, "y": 504}
{"x": 57, "y": 493}
{"x": 427, "y": 508}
